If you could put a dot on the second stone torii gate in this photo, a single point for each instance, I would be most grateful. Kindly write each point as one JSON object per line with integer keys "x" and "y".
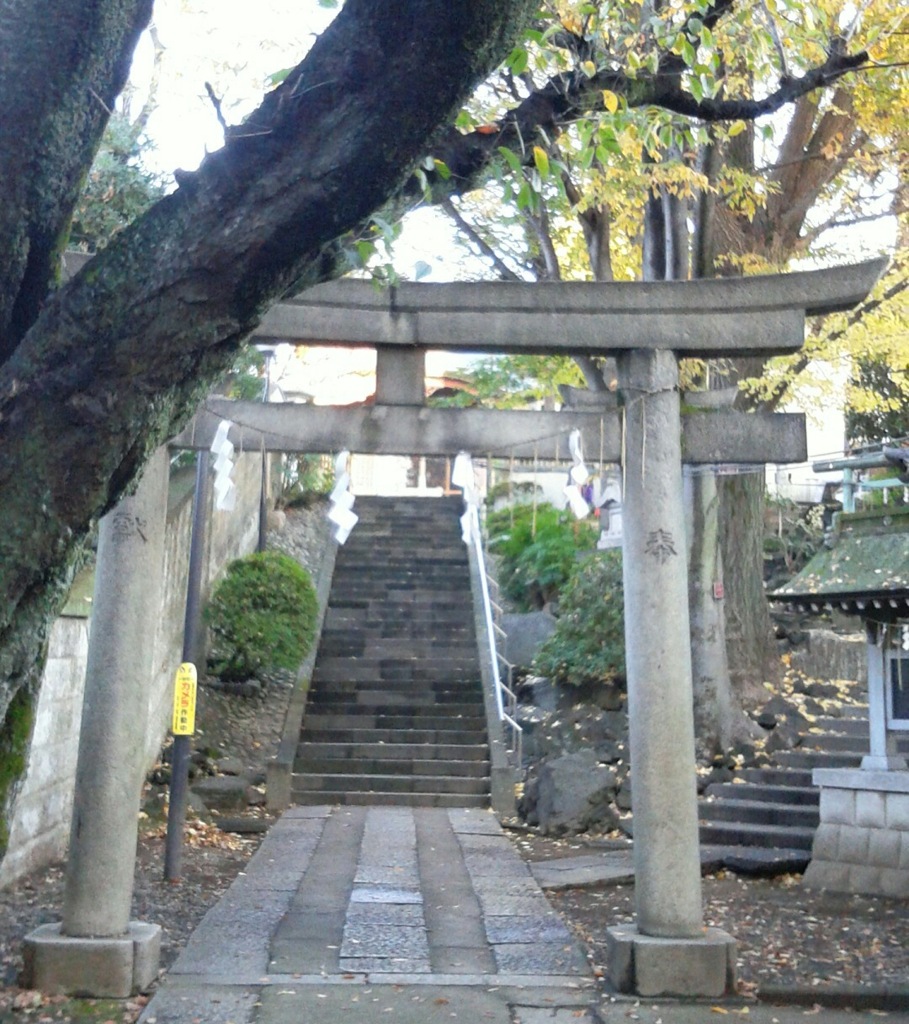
{"x": 648, "y": 327}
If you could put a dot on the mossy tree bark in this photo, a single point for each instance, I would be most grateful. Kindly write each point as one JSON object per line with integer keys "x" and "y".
{"x": 100, "y": 372}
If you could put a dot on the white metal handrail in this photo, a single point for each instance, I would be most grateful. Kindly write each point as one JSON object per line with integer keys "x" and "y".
{"x": 506, "y": 698}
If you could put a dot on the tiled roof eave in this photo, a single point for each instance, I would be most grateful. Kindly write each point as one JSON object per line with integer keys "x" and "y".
{"x": 873, "y": 604}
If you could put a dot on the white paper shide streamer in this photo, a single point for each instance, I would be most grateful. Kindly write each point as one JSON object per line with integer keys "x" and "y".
{"x": 341, "y": 500}
{"x": 577, "y": 477}
{"x": 223, "y": 450}
{"x": 462, "y": 475}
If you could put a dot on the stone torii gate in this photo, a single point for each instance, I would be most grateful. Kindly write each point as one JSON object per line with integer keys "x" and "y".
{"x": 647, "y": 327}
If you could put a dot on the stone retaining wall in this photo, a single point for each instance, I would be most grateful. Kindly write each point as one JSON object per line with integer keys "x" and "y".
{"x": 862, "y": 842}
{"x": 40, "y": 818}
{"x": 829, "y": 655}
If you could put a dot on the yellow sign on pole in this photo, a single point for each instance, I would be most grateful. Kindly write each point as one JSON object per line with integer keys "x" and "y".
{"x": 184, "y": 722}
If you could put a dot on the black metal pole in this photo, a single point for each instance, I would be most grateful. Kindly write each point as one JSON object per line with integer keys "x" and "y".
{"x": 192, "y": 626}
{"x": 263, "y": 492}
{"x": 263, "y": 504}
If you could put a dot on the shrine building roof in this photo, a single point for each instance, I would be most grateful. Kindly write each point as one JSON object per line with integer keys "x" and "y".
{"x": 863, "y": 569}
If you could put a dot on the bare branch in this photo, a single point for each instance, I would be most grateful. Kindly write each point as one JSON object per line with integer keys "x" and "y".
{"x": 476, "y": 239}
{"x": 216, "y": 103}
{"x": 777, "y": 42}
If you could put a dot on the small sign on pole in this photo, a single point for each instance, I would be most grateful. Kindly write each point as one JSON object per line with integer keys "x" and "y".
{"x": 184, "y": 719}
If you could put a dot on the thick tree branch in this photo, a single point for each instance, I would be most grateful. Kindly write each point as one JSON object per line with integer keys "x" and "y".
{"x": 62, "y": 65}
{"x": 568, "y": 97}
{"x": 120, "y": 356}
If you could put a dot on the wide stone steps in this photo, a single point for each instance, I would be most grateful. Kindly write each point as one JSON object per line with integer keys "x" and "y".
{"x": 465, "y": 691}
{"x": 362, "y": 782}
{"x": 808, "y": 758}
{"x": 765, "y": 812}
{"x": 742, "y": 833}
{"x": 393, "y": 735}
{"x": 347, "y": 670}
{"x": 422, "y": 716}
{"x": 798, "y": 778}
{"x": 390, "y": 723}
{"x": 397, "y": 766}
{"x": 388, "y": 648}
{"x": 461, "y": 753}
{"x": 375, "y": 799}
{"x": 776, "y": 795}
{"x": 395, "y": 713}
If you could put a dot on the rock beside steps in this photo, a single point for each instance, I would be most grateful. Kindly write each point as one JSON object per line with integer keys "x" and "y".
{"x": 395, "y": 714}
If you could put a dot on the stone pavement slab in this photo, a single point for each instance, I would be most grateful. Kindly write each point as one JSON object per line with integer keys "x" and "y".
{"x": 421, "y": 912}
{"x": 289, "y": 944}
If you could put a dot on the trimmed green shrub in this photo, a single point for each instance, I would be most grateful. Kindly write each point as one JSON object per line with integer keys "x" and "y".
{"x": 533, "y": 567}
{"x": 261, "y": 617}
{"x": 588, "y": 645}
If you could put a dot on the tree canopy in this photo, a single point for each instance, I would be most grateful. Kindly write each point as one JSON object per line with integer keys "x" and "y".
{"x": 99, "y": 371}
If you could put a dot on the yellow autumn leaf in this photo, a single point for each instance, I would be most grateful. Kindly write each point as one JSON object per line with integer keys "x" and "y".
{"x": 610, "y": 101}
{"x": 541, "y": 160}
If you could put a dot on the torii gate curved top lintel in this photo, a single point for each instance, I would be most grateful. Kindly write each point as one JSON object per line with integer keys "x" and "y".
{"x": 730, "y": 317}
{"x": 691, "y": 318}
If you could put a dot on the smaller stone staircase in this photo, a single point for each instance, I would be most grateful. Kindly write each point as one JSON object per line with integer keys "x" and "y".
{"x": 395, "y": 714}
{"x": 777, "y": 808}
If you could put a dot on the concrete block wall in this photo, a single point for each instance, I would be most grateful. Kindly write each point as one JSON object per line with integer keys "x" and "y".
{"x": 40, "y": 818}
{"x": 230, "y": 535}
{"x": 39, "y": 826}
{"x": 862, "y": 842}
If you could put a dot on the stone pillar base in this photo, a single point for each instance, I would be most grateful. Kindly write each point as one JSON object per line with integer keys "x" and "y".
{"x": 645, "y": 965}
{"x": 112, "y": 967}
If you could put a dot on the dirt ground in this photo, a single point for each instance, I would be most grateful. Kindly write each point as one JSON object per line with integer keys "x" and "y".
{"x": 786, "y": 934}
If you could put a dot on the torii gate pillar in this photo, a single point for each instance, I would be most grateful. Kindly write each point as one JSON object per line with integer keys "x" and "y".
{"x": 668, "y": 950}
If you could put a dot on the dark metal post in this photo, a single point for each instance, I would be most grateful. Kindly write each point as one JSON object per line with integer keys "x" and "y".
{"x": 263, "y": 504}
{"x": 192, "y": 627}
{"x": 263, "y": 492}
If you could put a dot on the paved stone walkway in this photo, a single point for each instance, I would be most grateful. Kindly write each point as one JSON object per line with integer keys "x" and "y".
{"x": 353, "y": 911}
{"x": 369, "y": 915}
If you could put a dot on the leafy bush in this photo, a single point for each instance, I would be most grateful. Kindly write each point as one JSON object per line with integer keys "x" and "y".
{"x": 792, "y": 537}
{"x": 261, "y": 616}
{"x": 305, "y": 478}
{"x": 588, "y": 645}
{"x": 533, "y": 568}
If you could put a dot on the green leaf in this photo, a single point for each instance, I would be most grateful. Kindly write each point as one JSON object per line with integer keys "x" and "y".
{"x": 518, "y": 60}
{"x": 511, "y": 158}
{"x": 279, "y": 76}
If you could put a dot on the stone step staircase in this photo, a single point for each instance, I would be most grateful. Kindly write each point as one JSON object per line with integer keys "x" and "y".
{"x": 775, "y": 810}
{"x": 395, "y": 714}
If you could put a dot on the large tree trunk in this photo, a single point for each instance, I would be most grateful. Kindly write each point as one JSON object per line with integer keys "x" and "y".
{"x": 105, "y": 370}
{"x": 752, "y": 650}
